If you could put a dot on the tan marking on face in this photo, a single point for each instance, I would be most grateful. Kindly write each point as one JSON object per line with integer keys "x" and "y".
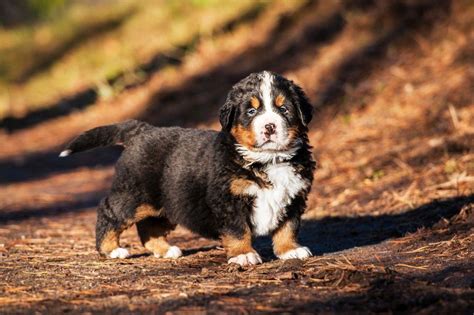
{"x": 145, "y": 210}
{"x": 244, "y": 136}
{"x": 235, "y": 246}
{"x": 284, "y": 238}
{"x": 109, "y": 242}
{"x": 254, "y": 102}
{"x": 279, "y": 100}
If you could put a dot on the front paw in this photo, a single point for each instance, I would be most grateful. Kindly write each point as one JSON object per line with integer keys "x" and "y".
{"x": 173, "y": 252}
{"x": 120, "y": 253}
{"x": 297, "y": 253}
{"x": 246, "y": 259}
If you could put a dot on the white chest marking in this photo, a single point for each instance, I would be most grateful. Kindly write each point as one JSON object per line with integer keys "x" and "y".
{"x": 270, "y": 203}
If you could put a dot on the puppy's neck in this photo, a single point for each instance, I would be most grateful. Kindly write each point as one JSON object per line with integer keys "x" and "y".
{"x": 267, "y": 156}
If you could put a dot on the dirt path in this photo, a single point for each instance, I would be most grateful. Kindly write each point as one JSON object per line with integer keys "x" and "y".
{"x": 390, "y": 217}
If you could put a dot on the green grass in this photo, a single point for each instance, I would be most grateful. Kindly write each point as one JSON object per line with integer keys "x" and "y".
{"x": 138, "y": 30}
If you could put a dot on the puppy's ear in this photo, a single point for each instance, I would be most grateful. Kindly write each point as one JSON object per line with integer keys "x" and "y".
{"x": 227, "y": 114}
{"x": 304, "y": 107}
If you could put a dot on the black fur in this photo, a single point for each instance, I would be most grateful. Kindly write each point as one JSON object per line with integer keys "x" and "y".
{"x": 188, "y": 172}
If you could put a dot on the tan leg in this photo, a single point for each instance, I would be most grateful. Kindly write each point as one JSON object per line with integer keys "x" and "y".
{"x": 152, "y": 232}
{"x": 240, "y": 250}
{"x": 108, "y": 230}
{"x": 109, "y": 242}
{"x": 285, "y": 245}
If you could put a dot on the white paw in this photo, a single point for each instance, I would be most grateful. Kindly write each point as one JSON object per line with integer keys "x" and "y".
{"x": 297, "y": 253}
{"x": 246, "y": 259}
{"x": 173, "y": 252}
{"x": 119, "y": 253}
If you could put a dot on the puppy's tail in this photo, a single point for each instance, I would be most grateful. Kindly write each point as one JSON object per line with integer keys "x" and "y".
{"x": 103, "y": 136}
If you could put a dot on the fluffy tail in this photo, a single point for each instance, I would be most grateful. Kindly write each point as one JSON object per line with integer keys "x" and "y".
{"x": 103, "y": 136}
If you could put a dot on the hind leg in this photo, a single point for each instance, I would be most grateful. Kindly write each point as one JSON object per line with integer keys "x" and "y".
{"x": 109, "y": 226}
{"x": 152, "y": 232}
{"x": 116, "y": 213}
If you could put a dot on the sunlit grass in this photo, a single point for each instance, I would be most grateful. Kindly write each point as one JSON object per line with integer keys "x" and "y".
{"x": 140, "y": 29}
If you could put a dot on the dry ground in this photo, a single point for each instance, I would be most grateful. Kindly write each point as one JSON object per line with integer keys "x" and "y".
{"x": 390, "y": 217}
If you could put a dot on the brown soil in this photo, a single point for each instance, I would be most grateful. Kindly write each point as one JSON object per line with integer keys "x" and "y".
{"x": 390, "y": 217}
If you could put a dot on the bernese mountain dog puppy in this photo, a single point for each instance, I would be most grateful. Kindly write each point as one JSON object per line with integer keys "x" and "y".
{"x": 251, "y": 178}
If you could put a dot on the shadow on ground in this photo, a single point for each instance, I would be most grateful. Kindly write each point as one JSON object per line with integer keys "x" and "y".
{"x": 81, "y": 204}
{"x": 41, "y": 165}
{"x": 333, "y": 234}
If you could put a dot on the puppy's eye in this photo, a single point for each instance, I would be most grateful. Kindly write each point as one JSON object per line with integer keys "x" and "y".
{"x": 251, "y": 112}
{"x": 283, "y": 110}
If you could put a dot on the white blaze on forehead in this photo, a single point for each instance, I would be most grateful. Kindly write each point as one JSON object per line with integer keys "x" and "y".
{"x": 269, "y": 115}
{"x": 266, "y": 90}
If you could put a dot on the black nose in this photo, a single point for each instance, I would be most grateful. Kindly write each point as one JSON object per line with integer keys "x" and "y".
{"x": 270, "y": 129}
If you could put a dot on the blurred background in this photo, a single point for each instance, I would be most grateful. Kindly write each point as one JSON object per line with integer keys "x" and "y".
{"x": 392, "y": 81}
{"x": 397, "y": 75}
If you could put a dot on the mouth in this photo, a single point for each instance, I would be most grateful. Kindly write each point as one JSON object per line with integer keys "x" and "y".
{"x": 265, "y": 143}
{"x": 270, "y": 145}
{"x": 268, "y": 141}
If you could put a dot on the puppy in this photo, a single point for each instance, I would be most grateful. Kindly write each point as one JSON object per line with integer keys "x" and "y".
{"x": 252, "y": 178}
